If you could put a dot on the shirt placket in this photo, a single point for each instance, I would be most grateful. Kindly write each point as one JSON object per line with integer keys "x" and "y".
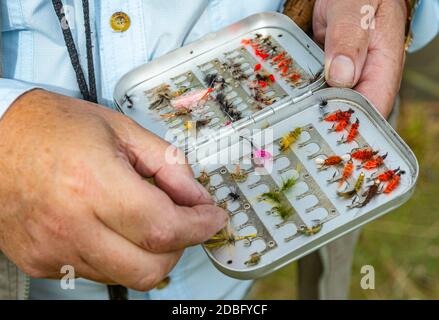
{"x": 120, "y": 52}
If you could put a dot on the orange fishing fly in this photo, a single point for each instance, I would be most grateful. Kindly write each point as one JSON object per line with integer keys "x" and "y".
{"x": 338, "y": 116}
{"x": 353, "y": 131}
{"x": 332, "y": 160}
{"x": 347, "y": 171}
{"x": 393, "y": 183}
{"x": 279, "y": 57}
{"x": 339, "y": 126}
{"x": 374, "y": 163}
{"x": 387, "y": 175}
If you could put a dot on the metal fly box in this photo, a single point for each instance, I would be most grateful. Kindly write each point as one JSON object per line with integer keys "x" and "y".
{"x": 295, "y": 164}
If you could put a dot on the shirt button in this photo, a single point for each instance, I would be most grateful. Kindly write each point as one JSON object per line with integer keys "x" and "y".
{"x": 164, "y": 283}
{"x": 120, "y": 22}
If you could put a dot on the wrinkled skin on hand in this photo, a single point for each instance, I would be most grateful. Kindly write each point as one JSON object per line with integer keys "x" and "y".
{"x": 73, "y": 192}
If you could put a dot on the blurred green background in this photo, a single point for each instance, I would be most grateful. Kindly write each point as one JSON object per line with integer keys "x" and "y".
{"x": 403, "y": 246}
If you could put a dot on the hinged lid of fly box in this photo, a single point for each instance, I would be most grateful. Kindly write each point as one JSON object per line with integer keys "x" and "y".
{"x": 264, "y": 61}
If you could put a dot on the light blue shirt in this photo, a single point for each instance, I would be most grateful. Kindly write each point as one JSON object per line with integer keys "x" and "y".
{"x": 425, "y": 24}
{"x": 35, "y": 56}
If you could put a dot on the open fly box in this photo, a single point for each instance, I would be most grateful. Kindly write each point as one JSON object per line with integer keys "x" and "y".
{"x": 295, "y": 164}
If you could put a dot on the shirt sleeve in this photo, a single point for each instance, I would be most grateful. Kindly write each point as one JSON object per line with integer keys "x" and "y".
{"x": 10, "y": 90}
{"x": 425, "y": 24}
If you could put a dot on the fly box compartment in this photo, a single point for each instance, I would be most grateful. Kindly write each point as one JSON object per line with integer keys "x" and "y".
{"x": 295, "y": 165}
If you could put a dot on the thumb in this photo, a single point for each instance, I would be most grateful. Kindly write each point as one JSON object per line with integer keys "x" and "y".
{"x": 153, "y": 157}
{"x": 346, "y": 41}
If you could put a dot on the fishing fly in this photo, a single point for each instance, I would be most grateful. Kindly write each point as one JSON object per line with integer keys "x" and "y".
{"x": 288, "y": 139}
{"x": 194, "y": 124}
{"x": 294, "y": 78}
{"x": 355, "y": 190}
{"x": 258, "y": 93}
{"x": 264, "y": 79}
{"x": 272, "y": 196}
{"x": 239, "y": 175}
{"x": 179, "y": 113}
{"x": 236, "y": 71}
{"x": 374, "y": 163}
{"x": 228, "y": 108}
{"x": 282, "y": 210}
{"x": 233, "y": 195}
{"x": 284, "y": 66}
{"x": 284, "y": 62}
{"x": 363, "y": 154}
{"x": 331, "y": 161}
{"x": 161, "y": 97}
{"x": 226, "y": 237}
{"x": 262, "y": 155}
{"x": 192, "y": 99}
{"x": 189, "y": 125}
{"x": 204, "y": 178}
{"x": 386, "y": 175}
{"x": 215, "y": 81}
{"x": 278, "y": 57}
{"x": 261, "y": 98}
{"x": 259, "y": 156}
{"x": 288, "y": 184}
{"x": 253, "y": 260}
{"x": 129, "y": 101}
{"x": 312, "y": 230}
{"x": 340, "y": 126}
{"x": 323, "y": 103}
{"x": 180, "y": 91}
{"x": 352, "y": 134}
{"x": 370, "y": 193}
{"x": 314, "y": 77}
{"x": 338, "y": 115}
{"x": 393, "y": 182}
{"x": 348, "y": 169}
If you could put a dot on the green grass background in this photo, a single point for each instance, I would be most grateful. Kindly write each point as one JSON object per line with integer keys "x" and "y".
{"x": 403, "y": 246}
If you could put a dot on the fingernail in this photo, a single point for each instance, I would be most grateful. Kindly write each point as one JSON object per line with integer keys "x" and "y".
{"x": 342, "y": 71}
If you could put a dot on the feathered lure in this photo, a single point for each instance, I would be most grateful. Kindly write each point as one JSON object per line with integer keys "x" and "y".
{"x": 191, "y": 100}
{"x": 287, "y": 140}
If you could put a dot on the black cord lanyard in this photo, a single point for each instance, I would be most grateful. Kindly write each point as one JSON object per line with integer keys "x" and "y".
{"x": 88, "y": 94}
{"x": 115, "y": 292}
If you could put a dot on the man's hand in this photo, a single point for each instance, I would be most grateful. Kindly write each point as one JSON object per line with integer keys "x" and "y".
{"x": 369, "y": 60}
{"x": 72, "y": 192}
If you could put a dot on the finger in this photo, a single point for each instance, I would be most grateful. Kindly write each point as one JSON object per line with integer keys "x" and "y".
{"x": 382, "y": 73}
{"x": 72, "y": 267}
{"x": 148, "y": 217}
{"x": 122, "y": 261}
{"x": 378, "y": 73}
{"x": 51, "y": 253}
{"x": 346, "y": 41}
{"x": 184, "y": 227}
{"x": 80, "y": 270}
{"x": 154, "y": 157}
{"x": 86, "y": 271}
